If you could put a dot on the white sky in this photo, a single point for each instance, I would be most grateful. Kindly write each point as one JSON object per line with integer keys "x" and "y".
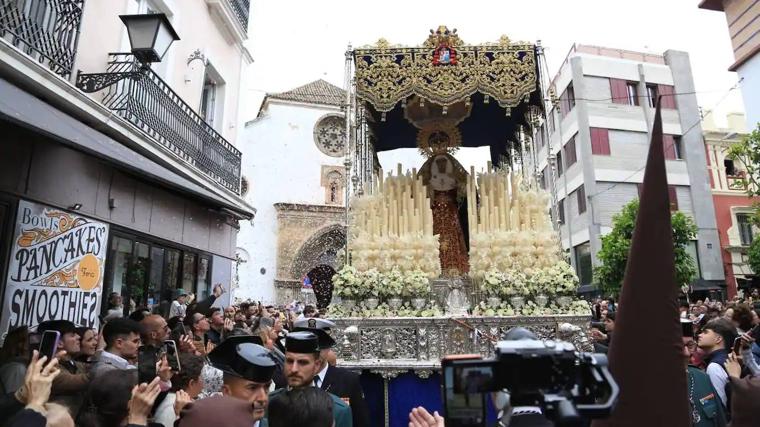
{"x": 294, "y": 42}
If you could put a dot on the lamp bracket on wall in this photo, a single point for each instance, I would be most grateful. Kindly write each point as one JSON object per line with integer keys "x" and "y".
{"x": 197, "y": 54}
{"x": 93, "y": 82}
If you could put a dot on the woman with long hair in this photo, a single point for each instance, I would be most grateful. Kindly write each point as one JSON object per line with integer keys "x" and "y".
{"x": 14, "y": 356}
{"x": 88, "y": 345}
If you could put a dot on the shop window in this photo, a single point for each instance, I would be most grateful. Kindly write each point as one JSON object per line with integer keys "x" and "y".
{"x": 203, "y": 283}
{"x": 188, "y": 272}
{"x": 155, "y": 277}
{"x": 137, "y": 277}
{"x": 121, "y": 256}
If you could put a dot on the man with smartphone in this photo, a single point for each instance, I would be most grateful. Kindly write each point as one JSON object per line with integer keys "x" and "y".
{"x": 247, "y": 369}
{"x": 70, "y": 386}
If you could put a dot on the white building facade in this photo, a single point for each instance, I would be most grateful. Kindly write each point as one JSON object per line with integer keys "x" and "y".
{"x": 293, "y": 164}
{"x": 598, "y": 138}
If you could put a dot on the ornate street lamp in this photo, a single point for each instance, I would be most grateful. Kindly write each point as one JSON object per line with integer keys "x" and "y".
{"x": 150, "y": 36}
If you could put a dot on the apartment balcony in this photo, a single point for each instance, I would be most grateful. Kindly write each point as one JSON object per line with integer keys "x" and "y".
{"x": 150, "y": 104}
{"x": 232, "y": 18}
{"x": 736, "y": 182}
{"x": 46, "y": 30}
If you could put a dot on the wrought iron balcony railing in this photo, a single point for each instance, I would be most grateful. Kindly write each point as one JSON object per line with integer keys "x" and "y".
{"x": 46, "y": 30}
{"x": 242, "y": 10}
{"x": 150, "y": 104}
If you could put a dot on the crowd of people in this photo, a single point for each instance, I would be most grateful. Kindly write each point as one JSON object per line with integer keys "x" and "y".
{"x": 250, "y": 364}
{"x": 721, "y": 356}
{"x": 241, "y": 365}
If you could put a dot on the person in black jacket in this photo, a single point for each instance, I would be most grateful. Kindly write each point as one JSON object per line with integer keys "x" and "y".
{"x": 338, "y": 381}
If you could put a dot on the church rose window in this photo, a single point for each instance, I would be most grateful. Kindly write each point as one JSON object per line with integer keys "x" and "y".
{"x": 330, "y": 134}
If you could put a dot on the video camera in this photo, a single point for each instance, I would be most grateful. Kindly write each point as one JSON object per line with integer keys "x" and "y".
{"x": 567, "y": 385}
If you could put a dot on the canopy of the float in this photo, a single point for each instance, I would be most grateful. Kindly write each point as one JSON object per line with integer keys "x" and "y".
{"x": 498, "y": 82}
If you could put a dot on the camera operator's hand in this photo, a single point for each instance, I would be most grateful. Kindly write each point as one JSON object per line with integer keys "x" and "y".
{"x": 420, "y": 417}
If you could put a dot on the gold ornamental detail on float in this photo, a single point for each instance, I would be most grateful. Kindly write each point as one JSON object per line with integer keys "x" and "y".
{"x": 439, "y": 138}
{"x": 445, "y": 72}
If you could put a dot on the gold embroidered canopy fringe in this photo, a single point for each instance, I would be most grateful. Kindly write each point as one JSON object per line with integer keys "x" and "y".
{"x": 506, "y": 72}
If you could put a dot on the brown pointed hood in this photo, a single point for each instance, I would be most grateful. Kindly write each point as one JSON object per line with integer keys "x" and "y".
{"x": 645, "y": 354}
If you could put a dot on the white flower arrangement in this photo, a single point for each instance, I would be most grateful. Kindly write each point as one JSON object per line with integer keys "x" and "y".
{"x": 493, "y": 283}
{"x": 347, "y": 283}
{"x": 416, "y": 284}
{"x": 392, "y": 284}
{"x": 563, "y": 279}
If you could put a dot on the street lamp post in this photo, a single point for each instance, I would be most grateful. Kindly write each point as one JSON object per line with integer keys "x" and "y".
{"x": 150, "y": 36}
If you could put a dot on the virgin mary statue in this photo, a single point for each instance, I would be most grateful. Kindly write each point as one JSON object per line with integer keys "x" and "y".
{"x": 446, "y": 180}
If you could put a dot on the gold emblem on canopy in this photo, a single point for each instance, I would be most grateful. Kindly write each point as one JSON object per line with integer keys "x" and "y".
{"x": 504, "y": 71}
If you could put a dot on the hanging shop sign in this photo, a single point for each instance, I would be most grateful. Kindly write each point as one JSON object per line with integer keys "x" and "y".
{"x": 55, "y": 269}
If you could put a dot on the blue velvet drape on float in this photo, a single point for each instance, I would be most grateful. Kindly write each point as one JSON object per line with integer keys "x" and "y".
{"x": 405, "y": 392}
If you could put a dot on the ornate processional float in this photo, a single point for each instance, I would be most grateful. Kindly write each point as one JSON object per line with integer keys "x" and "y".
{"x": 441, "y": 259}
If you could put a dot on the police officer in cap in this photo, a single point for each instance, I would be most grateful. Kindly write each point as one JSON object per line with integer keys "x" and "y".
{"x": 705, "y": 407}
{"x": 302, "y": 364}
{"x": 338, "y": 381}
{"x": 247, "y": 369}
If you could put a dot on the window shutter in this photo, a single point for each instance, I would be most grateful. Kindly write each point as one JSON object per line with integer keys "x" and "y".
{"x": 668, "y": 99}
{"x": 619, "y": 91}
{"x": 570, "y": 154}
{"x": 561, "y": 211}
{"x": 673, "y": 198}
{"x": 668, "y": 147}
{"x": 581, "y": 193}
{"x": 600, "y": 141}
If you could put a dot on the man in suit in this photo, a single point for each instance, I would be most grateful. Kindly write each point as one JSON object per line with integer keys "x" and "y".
{"x": 247, "y": 372}
{"x": 338, "y": 381}
{"x": 302, "y": 364}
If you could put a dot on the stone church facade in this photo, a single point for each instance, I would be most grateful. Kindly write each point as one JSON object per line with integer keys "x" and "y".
{"x": 293, "y": 167}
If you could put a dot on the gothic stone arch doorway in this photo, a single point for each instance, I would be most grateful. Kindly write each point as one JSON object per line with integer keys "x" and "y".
{"x": 308, "y": 236}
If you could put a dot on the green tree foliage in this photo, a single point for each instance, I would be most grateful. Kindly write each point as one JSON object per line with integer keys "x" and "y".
{"x": 615, "y": 247}
{"x": 747, "y": 153}
{"x": 753, "y": 255}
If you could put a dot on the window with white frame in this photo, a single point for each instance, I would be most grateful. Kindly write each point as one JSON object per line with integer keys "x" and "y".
{"x": 744, "y": 223}
{"x": 211, "y": 107}
{"x": 633, "y": 96}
